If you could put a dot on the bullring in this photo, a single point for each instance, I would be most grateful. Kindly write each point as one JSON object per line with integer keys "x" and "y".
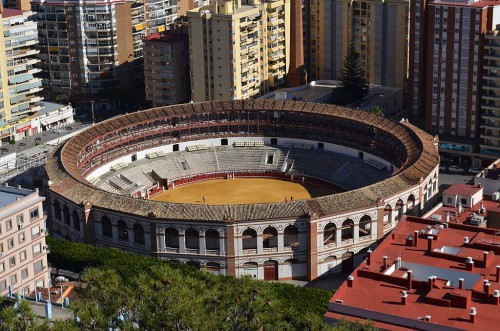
{"x": 300, "y": 239}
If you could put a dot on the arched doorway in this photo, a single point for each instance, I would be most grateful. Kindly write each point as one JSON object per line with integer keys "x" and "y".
{"x": 329, "y": 234}
{"x": 410, "y": 205}
{"x": 387, "y": 215}
{"x": 365, "y": 226}
{"x": 270, "y": 237}
{"x": 251, "y": 269}
{"x": 347, "y": 262}
{"x": 271, "y": 270}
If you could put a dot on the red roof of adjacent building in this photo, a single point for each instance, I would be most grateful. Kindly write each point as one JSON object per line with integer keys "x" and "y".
{"x": 376, "y": 291}
{"x": 9, "y": 12}
{"x": 462, "y": 189}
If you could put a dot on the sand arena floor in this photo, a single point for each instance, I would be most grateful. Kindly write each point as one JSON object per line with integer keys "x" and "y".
{"x": 241, "y": 191}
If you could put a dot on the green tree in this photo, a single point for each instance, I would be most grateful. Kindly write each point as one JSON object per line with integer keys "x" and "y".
{"x": 377, "y": 111}
{"x": 352, "y": 80}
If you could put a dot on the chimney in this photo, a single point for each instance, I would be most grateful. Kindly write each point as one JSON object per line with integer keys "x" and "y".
{"x": 415, "y": 237}
{"x": 350, "y": 281}
{"x": 429, "y": 243}
{"x": 430, "y": 282}
{"x": 496, "y": 297}
{"x": 369, "y": 259}
{"x": 461, "y": 283}
{"x": 384, "y": 261}
{"x": 410, "y": 278}
{"x": 447, "y": 216}
{"x": 485, "y": 258}
{"x": 427, "y": 318}
{"x": 404, "y": 298}
{"x": 498, "y": 274}
{"x": 469, "y": 264}
{"x": 398, "y": 263}
{"x": 466, "y": 240}
{"x": 486, "y": 288}
{"x": 472, "y": 314}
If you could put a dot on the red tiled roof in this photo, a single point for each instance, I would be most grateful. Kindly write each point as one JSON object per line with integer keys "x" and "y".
{"x": 9, "y": 12}
{"x": 376, "y": 292}
{"x": 462, "y": 189}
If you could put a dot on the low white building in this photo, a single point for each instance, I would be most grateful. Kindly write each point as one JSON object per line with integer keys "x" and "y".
{"x": 53, "y": 116}
{"x": 462, "y": 194}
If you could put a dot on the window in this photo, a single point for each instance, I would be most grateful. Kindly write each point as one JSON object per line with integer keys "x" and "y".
{"x": 3, "y": 285}
{"x": 8, "y": 224}
{"x": 38, "y": 266}
{"x": 10, "y": 242}
{"x": 34, "y": 213}
{"x": 12, "y": 261}
{"x": 37, "y": 249}
{"x": 22, "y": 256}
{"x": 2, "y": 267}
{"x": 22, "y": 237}
{"x": 13, "y": 279}
{"x": 35, "y": 231}
{"x": 24, "y": 273}
{"x": 449, "y": 200}
{"x": 463, "y": 201}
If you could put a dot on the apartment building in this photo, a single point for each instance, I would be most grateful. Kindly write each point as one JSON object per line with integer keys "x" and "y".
{"x": 23, "y": 252}
{"x": 378, "y": 30}
{"x": 97, "y": 45}
{"x": 166, "y": 67}
{"x": 239, "y": 49}
{"x": 490, "y": 104}
{"x": 19, "y": 86}
{"x": 447, "y": 75}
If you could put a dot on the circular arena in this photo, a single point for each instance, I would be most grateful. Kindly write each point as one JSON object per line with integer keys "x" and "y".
{"x": 274, "y": 189}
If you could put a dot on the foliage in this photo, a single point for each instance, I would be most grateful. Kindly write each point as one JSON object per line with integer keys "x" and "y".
{"x": 133, "y": 292}
{"x": 353, "y": 83}
{"x": 377, "y": 111}
{"x": 12, "y": 142}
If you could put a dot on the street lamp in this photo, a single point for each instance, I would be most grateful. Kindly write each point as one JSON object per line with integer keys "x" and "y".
{"x": 92, "y": 105}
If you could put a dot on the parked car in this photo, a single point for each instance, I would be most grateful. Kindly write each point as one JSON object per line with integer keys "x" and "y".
{"x": 474, "y": 170}
{"x": 455, "y": 168}
{"x": 442, "y": 167}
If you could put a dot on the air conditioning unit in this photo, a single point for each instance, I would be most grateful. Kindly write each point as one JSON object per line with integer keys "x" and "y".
{"x": 495, "y": 196}
{"x": 1, "y": 254}
{"x": 21, "y": 225}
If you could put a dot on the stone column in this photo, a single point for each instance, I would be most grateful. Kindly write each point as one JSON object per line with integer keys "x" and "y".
{"x": 160, "y": 240}
{"x": 114, "y": 231}
{"x": 182, "y": 243}
{"x": 231, "y": 256}
{"x": 202, "y": 249}
{"x": 356, "y": 232}
{"x": 222, "y": 248}
{"x": 312, "y": 249}
{"x": 338, "y": 237}
{"x": 281, "y": 242}
{"x": 260, "y": 244}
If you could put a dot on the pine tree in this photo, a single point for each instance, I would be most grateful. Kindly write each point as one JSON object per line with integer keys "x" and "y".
{"x": 352, "y": 80}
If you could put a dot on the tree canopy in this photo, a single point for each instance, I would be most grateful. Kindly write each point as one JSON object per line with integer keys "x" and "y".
{"x": 353, "y": 83}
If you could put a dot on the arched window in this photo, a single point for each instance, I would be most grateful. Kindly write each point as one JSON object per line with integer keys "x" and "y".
{"x": 194, "y": 264}
{"x": 122, "y": 230}
{"x": 139, "y": 234}
{"x": 291, "y": 236}
{"x": 347, "y": 230}
{"x": 387, "y": 214}
{"x": 76, "y": 221}
{"x": 270, "y": 237}
{"x": 249, "y": 238}
{"x": 410, "y": 205}
{"x": 67, "y": 218}
{"x": 107, "y": 228}
{"x": 171, "y": 238}
{"x": 192, "y": 239}
{"x": 212, "y": 240}
{"x": 329, "y": 234}
{"x": 399, "y": 210}
{"x": 213, "y": 268}
{"x": 57, "y": 209}
{"x": 365, "y": 226}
